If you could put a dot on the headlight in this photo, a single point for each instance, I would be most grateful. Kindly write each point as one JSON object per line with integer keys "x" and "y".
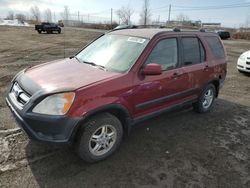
{"x": 243, "y": 57}
{"x": 19, "y": 73}
{"x": 57, "y": 104}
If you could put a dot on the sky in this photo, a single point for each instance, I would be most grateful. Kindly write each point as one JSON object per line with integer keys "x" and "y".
{"x": 100, "y": 9}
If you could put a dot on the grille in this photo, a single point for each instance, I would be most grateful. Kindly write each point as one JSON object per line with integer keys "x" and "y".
{"x": 248, "y": 63}
{"x": 19, "y": 95}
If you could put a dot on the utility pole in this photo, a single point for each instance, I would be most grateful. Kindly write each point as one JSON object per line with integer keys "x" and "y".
{"x": 55, "y": 17}
{"x": 169, "y": 13}
{"x": 111, "y": 18}
{"x": 78, "y": 16}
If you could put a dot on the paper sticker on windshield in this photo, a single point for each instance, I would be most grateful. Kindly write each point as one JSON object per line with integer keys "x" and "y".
{"x": 137, "y": 40}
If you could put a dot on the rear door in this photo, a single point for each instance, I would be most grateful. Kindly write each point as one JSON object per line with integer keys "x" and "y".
{"x": 194, "y": 62}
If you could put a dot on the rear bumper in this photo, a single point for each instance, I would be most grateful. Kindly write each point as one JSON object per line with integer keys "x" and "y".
{"x": 53, "y": 129}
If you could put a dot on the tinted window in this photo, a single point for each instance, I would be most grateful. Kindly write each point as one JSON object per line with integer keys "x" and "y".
{"x": 165, "y": 54}
{"x": 193, "y": 51}
{"x": 216, "y": 46}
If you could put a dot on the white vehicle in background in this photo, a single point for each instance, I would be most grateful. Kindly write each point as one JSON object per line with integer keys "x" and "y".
{"x": 243, "y": 64}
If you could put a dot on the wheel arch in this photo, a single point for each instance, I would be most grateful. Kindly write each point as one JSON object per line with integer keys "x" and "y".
{"x": 117, "y": 110}
{"x": 216, "y": 83}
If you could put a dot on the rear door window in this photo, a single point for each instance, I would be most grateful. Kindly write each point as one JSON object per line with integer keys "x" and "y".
{"x": 193, "y": 51}
{"x": 216, "y": 46}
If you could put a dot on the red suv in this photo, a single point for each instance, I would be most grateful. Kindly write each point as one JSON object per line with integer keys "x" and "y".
{"x": 121, "y": 78}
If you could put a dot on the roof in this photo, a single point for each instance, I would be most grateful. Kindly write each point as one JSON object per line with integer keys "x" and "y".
{"x": 143, "y": 33}
{"x": 149, "y": 33}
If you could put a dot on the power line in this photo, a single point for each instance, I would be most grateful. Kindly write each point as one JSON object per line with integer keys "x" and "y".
{"x": 101, "y": 12}
{"x": 186, "y": 8}
{"x": 213, "y": 6}
{"x": 194, "y": 8}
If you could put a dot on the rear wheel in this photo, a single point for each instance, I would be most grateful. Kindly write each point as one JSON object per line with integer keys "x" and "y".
{"x": 206, "y": 99}
{"x": 39, "y": 31}
{"x": 59, "y": 31}
{"x": 101, "y": 136}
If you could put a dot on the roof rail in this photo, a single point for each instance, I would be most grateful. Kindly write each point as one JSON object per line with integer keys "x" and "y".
{"x": 188, "y": 30}
{"x": 176, "y": 29}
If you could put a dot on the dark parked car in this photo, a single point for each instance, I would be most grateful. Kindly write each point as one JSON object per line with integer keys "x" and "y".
{"x": 121, "y": 78}
{"x": 48, "y": 28}
{"x": 223, "y": 34}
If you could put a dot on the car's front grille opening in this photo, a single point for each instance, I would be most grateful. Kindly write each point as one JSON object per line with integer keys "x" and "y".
{"x": 19, "y": 95}
{"x": 248, "y": 63}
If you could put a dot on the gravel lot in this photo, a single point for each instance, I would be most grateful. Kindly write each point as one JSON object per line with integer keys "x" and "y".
{"x": 178, "y": 149}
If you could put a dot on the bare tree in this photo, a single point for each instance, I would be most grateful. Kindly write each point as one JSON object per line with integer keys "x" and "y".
{"x": 36, "y": 14}
{"x": 182, "y": 18}
{"x": 247, "y": 23}
{"x": 48, "y": 15}
{"x": 10, "y": 15}
{"x": 20, "y": 17}
{"x": 124, "y": 14}
{"x": 145, "y": 14}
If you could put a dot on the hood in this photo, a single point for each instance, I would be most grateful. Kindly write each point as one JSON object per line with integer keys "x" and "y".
{"x": 62, "y": 74}
{"x": 247, "y": 54}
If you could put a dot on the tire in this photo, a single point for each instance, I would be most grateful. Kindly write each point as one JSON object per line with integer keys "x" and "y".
{"x": 205, "y": 100}
{"x": 59, "y": 31}
{"x": 39, "y": 31}
{"x": 99, "y": 138}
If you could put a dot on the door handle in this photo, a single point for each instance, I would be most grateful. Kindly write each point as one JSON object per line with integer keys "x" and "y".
{"x": 206, "y": 68}
{"x": 175, "y": 75}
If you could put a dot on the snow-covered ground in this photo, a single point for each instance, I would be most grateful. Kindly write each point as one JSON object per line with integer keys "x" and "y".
{"x": 13, "y": 23}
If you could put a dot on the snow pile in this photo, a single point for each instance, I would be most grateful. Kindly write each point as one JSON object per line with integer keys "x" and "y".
{"x": 13, "y": 23}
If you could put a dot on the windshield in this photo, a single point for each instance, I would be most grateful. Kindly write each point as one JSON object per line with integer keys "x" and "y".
{"x": 113, "y": 52}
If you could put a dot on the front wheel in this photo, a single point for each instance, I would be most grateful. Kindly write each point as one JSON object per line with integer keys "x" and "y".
{"x": 101, "y": 136}
{"x": 206, "y": 99}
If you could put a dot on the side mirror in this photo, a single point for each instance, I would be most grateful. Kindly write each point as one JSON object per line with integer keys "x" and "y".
{"x": 152, "y": 69}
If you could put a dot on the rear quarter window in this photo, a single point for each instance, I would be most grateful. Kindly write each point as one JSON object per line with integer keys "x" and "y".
{"x": 216, "y": 46}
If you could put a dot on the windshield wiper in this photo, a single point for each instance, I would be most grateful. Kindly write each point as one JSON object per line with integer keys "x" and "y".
{"x": 77, "y": 59}
{"x": 95, "y": 65}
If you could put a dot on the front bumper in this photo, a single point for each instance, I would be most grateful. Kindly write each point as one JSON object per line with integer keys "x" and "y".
{"x": 53, "y": 129}
{"x": 243, "y": 66}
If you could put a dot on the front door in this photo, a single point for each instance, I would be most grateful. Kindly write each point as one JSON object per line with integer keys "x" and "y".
{"x": 173, "y": 86}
